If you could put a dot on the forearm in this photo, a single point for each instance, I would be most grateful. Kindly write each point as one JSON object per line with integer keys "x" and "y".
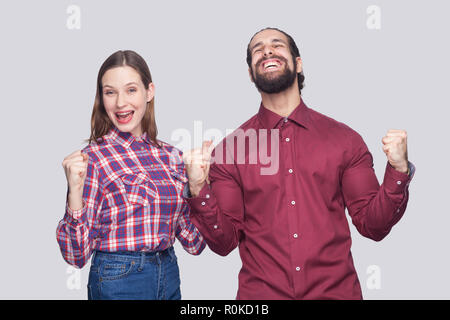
{"x": 188, "y": 235}
{"x": 375, "y": 216}
{"x": 218, "y": 229}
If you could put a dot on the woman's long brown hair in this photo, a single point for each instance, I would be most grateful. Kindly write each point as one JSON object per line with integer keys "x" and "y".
{"x": 100, "y": 122}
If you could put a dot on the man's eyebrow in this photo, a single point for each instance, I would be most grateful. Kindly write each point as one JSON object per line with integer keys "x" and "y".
{"x": 279, "y": 40}
{"x": 255, "y": 45}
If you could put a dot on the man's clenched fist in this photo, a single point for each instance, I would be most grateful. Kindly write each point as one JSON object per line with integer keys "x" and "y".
{"x": 395, "y": 148}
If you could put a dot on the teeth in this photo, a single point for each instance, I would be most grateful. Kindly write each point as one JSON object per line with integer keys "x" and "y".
{"x": 123, "y": 113}
{"x": 270, "y": 64}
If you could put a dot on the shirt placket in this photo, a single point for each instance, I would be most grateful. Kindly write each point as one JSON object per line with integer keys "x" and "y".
{"x": 287, "y": 143}
{"x": 145, "y": 164}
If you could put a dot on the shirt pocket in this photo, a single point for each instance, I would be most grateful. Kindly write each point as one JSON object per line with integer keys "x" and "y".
{"x": 169, "y": 182}
{"x": 130, "y": 189}
{"x": 139, "y": 189}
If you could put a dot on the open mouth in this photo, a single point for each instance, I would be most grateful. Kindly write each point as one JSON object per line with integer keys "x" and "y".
{"x": 271, "y": 64}
{"x": 124, "y": 116}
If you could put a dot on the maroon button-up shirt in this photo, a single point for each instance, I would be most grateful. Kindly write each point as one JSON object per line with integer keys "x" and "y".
{"x": 281, "y": 197}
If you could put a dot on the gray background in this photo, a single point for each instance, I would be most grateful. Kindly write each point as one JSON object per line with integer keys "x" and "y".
{"x": 372, "y": 80}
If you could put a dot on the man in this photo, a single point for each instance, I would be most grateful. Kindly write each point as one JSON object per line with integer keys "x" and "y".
{"x": 290, "y": 226}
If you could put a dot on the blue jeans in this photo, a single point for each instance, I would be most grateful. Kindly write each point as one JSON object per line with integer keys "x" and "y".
{"x": 134, "y": 275}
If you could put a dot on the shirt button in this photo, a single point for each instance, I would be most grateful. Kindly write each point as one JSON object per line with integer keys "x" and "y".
{"x": 399, "y": 182}
{"x": 290, "y": 170}
{"x": 142, "y": 148}
{"x": 203, "y": 203}
{"x": 215, "y": 226}
{"x": 297, "y": 269}
{"x": 295, "y": 235}
{"x": 285, "y": 119}
{"x": 207, "y": 196}
{"x": 292, "y": 202}
{"x": 287, "y": 139}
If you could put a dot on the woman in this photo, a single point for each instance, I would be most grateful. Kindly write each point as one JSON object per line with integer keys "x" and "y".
{"x": 124, "y": 203}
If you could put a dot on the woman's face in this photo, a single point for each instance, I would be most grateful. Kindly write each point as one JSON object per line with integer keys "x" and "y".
{"x": 125, "y": 98}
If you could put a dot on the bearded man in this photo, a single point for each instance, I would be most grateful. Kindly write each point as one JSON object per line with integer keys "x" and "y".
{"x": 293, "y": 236}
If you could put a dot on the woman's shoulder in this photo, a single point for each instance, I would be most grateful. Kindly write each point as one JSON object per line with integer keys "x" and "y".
{"x": 167, "y": 147}
{"x": 172, "y": 156}
{"x": 96, "y": 149}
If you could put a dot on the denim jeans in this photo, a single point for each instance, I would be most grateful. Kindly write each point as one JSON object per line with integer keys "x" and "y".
{"x": 134, "y": 276}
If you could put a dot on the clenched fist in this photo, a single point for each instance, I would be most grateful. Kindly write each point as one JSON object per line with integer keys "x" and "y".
{"x": 75, "y": 168}
{"x": 197, "y": 163}
{"x": 395, "y": 148}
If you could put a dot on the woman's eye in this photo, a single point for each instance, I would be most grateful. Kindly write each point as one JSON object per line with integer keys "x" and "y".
{"x": 132, "y": 90}
{"x": 108, "y": 93}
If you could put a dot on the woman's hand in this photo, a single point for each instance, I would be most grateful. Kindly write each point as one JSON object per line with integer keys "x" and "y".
{"x": 75, "y": 168}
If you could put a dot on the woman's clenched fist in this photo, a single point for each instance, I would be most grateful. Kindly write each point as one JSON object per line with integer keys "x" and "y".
{"x": 75, "y": 168}
{"x": 197, "y": 162}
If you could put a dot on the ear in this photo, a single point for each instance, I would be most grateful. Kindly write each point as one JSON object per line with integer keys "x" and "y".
{"x": 251, "y": 75}
{"x": 298, "y": 60}
{"x": 150, "y": 92}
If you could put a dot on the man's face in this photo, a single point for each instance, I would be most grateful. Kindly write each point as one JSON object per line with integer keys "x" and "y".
{"x": 273, "y": 69}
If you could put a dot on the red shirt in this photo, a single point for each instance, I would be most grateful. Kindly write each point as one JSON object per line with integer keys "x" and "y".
{"x": 290, "y": 224}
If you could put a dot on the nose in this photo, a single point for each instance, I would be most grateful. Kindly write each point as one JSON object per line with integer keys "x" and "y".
{"x": 121, "y": 102}
{"x": 267, "y": 51}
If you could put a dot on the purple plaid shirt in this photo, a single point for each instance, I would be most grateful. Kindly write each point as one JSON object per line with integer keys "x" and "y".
{"x": 132, "y": 201}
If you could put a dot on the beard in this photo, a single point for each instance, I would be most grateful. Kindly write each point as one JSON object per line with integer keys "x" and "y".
{"x": 268, "y": 83}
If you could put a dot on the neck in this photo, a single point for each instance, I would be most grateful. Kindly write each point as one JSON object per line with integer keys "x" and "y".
{"x": 282, "y": 103}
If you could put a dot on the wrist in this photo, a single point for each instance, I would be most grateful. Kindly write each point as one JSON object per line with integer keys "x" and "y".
{"x": 75, "y": 201}
{"x": 195, "y": 188}
{"x": 403, "y": 167}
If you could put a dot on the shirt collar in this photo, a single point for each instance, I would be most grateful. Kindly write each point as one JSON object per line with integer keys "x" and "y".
{"x": 270, "y": 119}
{"x": 125, "y": 138}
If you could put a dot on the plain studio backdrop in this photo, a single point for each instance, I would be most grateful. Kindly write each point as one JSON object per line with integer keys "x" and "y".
{"x": 373, "y": 65}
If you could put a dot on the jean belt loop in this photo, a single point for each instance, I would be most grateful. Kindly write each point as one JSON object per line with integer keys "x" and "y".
{"x": 141, "y": 266}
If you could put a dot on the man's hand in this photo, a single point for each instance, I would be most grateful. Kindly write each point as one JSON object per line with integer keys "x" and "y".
{"x": 395, "y": 148}
{"x": 197, "y": 163}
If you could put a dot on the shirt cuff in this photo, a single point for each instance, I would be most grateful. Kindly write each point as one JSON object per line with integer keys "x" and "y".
{"x": 186, "y": 191}
{"x": 203, "y": 203}
{"x": 396, "y": 181}
{"x": 75, "y": 217}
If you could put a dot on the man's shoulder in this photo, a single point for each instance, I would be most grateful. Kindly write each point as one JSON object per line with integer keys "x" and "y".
{"x": 252, "y": 123}
{"x": 333, "y": 126}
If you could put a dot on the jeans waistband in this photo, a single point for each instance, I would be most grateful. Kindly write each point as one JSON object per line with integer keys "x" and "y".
{"x": 133, "y": 254}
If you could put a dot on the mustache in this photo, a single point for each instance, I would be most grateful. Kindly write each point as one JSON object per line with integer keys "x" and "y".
{"x": 272, "y": 57}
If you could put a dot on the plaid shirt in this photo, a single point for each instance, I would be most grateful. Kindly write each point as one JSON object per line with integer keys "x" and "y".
{"x": 132, "y": 201}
